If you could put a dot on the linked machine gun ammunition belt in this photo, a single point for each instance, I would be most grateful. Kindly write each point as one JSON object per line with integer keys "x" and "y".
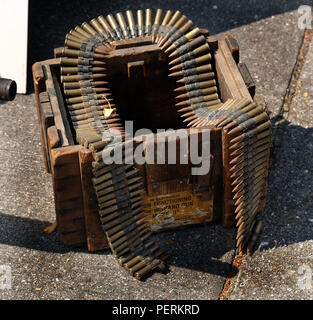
{"x": 94, "y": 115}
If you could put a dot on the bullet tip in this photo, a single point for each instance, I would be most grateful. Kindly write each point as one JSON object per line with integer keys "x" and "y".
{"x": 181, "y": 80}
{"x": 182, "y": 96}
{"x": 173, "y": 54}
{"x": 168, "y": 50}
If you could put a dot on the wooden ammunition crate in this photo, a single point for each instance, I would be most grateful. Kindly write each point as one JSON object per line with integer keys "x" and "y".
{"x": 197, "y": 200}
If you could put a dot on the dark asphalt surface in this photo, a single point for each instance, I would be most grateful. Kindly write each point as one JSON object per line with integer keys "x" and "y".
{"x": 49, "y": 22}
{"x": 43, "y": 268}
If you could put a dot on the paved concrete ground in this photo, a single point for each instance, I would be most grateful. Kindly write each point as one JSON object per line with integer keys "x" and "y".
{"x": 273, "y": 271}
{"x": 43, "y": 268}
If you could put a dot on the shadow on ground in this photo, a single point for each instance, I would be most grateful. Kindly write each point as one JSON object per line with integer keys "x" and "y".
{"x": 28, "y": 233}
{"x": 287, "y": 217}
{"x": 204, "y": 248}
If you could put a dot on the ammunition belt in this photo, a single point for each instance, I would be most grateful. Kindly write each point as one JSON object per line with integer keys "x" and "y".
{"x": 247, "y": 131}
{"x": 94, "y": 117}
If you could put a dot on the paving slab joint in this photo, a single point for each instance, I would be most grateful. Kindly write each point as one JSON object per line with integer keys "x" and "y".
{"x": 281, "y": 120}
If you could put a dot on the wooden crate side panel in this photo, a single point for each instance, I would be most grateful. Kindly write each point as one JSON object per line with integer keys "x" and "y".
{"x": 50, "y": 106}
{"x": 96, "y": 238}
{"x": 231, "y": 86}
{"x": 166, "y": 178}
{"x": 175, "y": 197}
{"x": 69, "y": 202}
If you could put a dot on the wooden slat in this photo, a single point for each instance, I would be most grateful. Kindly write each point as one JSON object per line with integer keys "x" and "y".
{"x": 246, "y": 76}
{"x": 39, "y": 86}
{"x": 96, "y": 239}
{"x": 230, "y": 80}
{"x": 57, "y": 103}
{"x": 68, "y": 193}
{"x": 233, "y": 47}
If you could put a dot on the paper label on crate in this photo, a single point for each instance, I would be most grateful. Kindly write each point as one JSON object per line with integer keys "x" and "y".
{"x": 177, "y": 209}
